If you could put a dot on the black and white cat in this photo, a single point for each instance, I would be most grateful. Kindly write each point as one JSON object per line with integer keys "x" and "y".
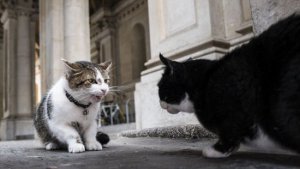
{"x": 66, "y": 116}
{"x": 251, "y": 94}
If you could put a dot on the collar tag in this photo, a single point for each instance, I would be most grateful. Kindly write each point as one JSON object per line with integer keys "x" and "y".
{"x": 85, "y": 112}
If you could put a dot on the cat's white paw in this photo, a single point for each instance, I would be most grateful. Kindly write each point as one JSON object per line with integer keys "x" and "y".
{"x": 76, "y": 148}
{"x": 93, "y": 146}
{"x": 210, "y": 152}
{"x": 52, "y": 146}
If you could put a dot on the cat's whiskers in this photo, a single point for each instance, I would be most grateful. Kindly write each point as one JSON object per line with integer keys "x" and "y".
{"x": 121, "y": 87}
{"x": 84, "y": 97}
{"x": 114, "y": 90}
{"x": 116, "y": 93}
{"x": 113, "y": 86}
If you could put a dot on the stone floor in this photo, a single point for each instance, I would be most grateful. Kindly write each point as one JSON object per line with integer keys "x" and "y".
{"x": 137, "y": 153}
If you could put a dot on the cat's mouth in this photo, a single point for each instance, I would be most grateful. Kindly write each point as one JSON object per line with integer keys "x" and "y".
{"x": 97, "y": 98}
{"x": 172, "y": 111}
{"x": 167, "y": 107}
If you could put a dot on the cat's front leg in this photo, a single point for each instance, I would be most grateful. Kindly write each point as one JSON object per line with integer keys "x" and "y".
{"x": 90, "y": 138}
{"x": 222, "y": 149}
{"x": 67, "y": 134}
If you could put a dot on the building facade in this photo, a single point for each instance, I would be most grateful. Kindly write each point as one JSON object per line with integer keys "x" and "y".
{"x": 130, "y": 33}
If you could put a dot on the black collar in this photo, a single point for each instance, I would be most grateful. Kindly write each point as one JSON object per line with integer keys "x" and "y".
{"x": 71, "y": 99}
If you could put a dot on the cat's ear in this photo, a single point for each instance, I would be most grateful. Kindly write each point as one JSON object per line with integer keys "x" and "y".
{"x": 169, "y": 63}
{"x": 164, "y": 60}
{"x": 105, "y": 65}
{"x": 71, "y": 66}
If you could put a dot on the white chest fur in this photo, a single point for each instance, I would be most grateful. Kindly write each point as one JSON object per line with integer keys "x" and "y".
{"x": 66, "y": 112}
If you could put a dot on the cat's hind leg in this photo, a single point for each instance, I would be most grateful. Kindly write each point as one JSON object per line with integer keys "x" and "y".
{"x": 221, "y": 149}
{"x": 211, "y": 152}
{"x": 228, "y": 143}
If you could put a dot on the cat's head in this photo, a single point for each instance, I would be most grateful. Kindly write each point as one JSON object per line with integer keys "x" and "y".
{"x": 88, "y": 81}
{"x": 172, "y": 88}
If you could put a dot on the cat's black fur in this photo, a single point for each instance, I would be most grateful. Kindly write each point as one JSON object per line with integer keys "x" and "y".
{"x": 255, "y": 85}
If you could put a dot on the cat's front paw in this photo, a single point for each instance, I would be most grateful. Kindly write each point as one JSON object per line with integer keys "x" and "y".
{"x": 211, "y": 152}
{"x": 93, "y": 146}
{"x": 52, "y": 146}
{"x": 76, "y": 148}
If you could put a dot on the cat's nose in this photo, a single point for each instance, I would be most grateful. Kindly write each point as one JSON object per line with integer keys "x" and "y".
{"x": 163, "y": 105}
{"x": 103, "y": 91}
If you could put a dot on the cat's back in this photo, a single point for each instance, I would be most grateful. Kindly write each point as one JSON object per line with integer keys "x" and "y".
{"x": 265, "y": 57}
{"x": 278, "y": 44}
{"x": 287, "y": 30}
{"x": 45, "y": 109}
{"x": 57, "y": 93}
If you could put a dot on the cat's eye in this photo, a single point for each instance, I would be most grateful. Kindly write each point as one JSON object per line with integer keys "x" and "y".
{"x": 106, "y": 80}
{"x": 93, "y": 81}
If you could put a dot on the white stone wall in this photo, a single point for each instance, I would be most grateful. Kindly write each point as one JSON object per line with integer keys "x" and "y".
{"x": 176, "y": 25}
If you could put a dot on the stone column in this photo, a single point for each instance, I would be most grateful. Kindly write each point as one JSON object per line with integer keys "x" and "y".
{"x": 7, "y": 128}
{"x": 51, "y": 42}
{"x": 18, "y": 70}
{"x": 24, "y": 63}
{"x": 25, "y": 67}
{"x": 64, "y": 33}
{"x": 76, "y": 30}
{"x": 1, "y": 72}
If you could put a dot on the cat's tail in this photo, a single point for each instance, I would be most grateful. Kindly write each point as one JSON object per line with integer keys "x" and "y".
{"x": 102, "y": 138}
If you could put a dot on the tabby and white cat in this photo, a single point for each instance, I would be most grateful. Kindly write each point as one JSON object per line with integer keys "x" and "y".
{"x": 250, "y": 95}
{"x": 66, "y": 116}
